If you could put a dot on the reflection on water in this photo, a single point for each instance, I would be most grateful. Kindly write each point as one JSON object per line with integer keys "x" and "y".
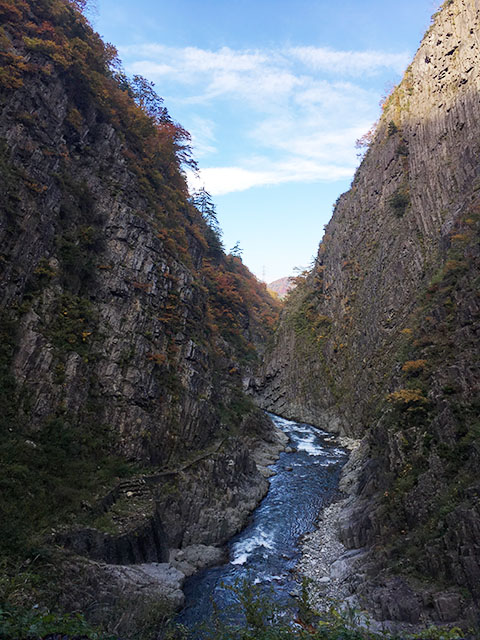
{"x": 266, "y": 551}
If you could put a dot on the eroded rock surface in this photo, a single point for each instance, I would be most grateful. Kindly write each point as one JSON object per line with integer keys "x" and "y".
{"x": 381, "y": 340}
{"x": 126, "y": 332}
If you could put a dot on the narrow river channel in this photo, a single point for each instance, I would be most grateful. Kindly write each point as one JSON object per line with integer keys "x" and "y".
{"x": 267, "y": 550}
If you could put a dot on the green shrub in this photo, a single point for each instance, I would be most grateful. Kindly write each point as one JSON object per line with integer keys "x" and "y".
{"x": 399, "y": 202}
{"x": 392, "y": 128}
{"x": 402, "y": 149}
{"x": 260, "y": 617}
{"x": 23, "y": 624}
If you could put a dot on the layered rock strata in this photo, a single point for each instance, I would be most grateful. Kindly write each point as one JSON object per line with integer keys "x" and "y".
{"x": 125, "y": 330}
{"x": 381, "y": 339}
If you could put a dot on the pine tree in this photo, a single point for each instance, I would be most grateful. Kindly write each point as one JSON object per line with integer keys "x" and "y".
{"x": 202, "y": 200}
{"x": 236, "y": 251}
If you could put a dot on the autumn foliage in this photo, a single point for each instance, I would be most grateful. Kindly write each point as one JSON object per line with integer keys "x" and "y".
{"x": 407, "y": 398}
{"x": 52, "y": 40}
{"x": 56, "y": 39}
{"x": 414, "y": 366}
{"x": 241, "y": 308}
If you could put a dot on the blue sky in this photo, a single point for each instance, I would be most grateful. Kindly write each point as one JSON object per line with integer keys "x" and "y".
{"x": 274, "y": 94}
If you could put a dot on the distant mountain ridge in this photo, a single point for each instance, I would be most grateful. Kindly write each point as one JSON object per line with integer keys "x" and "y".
{"x": 281, "y": 286}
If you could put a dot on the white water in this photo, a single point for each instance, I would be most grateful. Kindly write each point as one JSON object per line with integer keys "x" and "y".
{"x": 266, "y": 551}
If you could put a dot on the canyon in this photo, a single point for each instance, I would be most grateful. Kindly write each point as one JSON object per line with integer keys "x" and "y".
{"x": 137, "y": 358}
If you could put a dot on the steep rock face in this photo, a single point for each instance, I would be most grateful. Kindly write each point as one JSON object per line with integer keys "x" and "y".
{"x": 375, "y": 257}
{"x": 117, "y": 356}
{"x": 382, "y": 337}
{"x": 106, "y": 290}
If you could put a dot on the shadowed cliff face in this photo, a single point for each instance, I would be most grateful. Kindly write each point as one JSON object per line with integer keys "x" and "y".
{"x": 111, "y": 309}
{"x": 117, "y": 354}
{"x": 381, "y": 339}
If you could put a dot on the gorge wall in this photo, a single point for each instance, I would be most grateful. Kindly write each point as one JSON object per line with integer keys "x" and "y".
{"x": 125, "y": 329}
{"x": 126, "y": 334}
{"x": 380, "y": 340}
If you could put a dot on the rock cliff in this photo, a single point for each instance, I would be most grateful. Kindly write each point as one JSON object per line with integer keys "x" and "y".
{"x": 380, "y": 341}
{"x": 125, "y": 330}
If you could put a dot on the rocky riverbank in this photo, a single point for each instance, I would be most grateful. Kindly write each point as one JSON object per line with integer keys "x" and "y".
{"x": 342, "y": 572}
{"x": 326, "y": 563}
{"x": 98, "y": 565}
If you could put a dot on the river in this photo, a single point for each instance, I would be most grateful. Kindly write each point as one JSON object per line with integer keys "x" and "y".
{"x": 267, "y": 550}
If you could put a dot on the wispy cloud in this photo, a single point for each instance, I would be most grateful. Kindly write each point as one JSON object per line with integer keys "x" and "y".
{"x": 190, "y": 60}
{"x": 352, "y": 63}
{"x": 306, "y": 107}
{"x": 222, "y": 180}
{"x": 203, "y": 136}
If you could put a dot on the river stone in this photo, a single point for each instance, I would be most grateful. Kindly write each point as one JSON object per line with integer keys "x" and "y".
{"x": 448, "y": 606}
{"x": 339, "y": 568}
{"x": 266, "y": 472}
{"x": 196, "y": 557}
{"x": 160, "y": 580}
